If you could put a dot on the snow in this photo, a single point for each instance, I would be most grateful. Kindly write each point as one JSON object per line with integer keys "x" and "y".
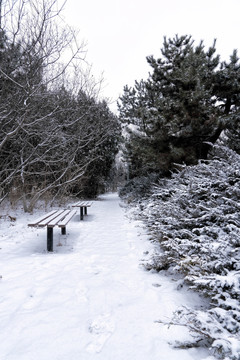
{"x": 90, "y": 298}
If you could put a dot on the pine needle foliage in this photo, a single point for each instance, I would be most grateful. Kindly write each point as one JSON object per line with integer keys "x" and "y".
{"x": 181, "y": 109}
{"x": 194, "y": 218}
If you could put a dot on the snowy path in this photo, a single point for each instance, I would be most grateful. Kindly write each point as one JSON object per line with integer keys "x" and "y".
{"x": 89, "y": 299}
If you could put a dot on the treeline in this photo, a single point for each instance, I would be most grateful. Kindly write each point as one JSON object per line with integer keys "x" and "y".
{"x": 56, "y": 137}
{"x": 189, "y": 99}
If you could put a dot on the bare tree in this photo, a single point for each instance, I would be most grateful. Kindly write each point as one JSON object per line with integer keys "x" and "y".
{"x": 48, "y": 138}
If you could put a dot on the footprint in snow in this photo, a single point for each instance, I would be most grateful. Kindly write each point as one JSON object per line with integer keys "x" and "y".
{"x": 81, "y": 293}
{"x": 101, "y": 329}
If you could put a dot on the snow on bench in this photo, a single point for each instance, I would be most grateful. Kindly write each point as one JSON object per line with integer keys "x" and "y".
{"x": 83, "y": 205}
{"x": 58, "y": 218}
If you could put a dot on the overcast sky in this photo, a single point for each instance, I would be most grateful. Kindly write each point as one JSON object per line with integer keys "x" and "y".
{"x": 121, "y": 33}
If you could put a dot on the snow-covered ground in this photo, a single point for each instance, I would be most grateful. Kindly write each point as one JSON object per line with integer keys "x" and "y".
{"x": 90, "y": 298}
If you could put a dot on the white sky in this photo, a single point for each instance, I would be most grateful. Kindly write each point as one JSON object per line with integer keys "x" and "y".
{"x": 121, "y": 33}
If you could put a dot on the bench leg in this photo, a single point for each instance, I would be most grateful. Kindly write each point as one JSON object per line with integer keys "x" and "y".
{"x": 49, "y": 238}
{"x": 85, "y": 210}
{"x": 63, "y": 230}
{"x": 81, "y": 213}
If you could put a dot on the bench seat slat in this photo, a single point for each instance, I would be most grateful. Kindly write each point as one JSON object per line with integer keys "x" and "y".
{"x": 67, "y": 218}
{"x": 78, "y": 204}
{"x": 82, "y": 203}
{"x": 88, "y": 204}
{"x": 42, "y": 218}
{"x": 55, "y": 220}
{"x": 49, "y": 219}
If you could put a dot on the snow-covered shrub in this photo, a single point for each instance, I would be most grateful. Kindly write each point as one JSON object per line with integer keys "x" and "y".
{"x": 195, "y": 216}
{"x": 138, "y": 188}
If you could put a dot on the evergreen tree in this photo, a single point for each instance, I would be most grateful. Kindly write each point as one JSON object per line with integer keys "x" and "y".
{"x": 227, "y": 89}
{"x": 102, "y": 133}
{"x": 173, "y": 116}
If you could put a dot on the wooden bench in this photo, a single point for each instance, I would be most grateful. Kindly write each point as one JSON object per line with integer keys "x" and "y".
{"x": 58, "y": 218}
{"x": 83, "y": 205}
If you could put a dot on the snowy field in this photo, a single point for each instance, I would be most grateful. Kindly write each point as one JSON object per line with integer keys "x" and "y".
{"x": 90, "y": 298}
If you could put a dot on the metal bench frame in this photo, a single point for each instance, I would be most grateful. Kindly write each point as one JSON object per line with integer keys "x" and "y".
{"x": 58, "y": 218}
{"x": 83, "y": 205}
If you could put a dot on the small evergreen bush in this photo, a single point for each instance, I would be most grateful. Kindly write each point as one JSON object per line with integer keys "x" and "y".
{"x": 195, "y": 217}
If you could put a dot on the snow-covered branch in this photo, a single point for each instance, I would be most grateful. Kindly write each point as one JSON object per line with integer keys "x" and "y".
{"x": 194, "y": 218}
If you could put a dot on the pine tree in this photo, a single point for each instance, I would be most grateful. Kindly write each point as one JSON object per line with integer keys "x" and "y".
{"x": 173, "y": 114}
{"x": 227, "y": 89}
